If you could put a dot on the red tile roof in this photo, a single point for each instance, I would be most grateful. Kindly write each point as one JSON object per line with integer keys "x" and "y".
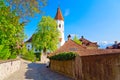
{"x": 71, "y": 46}
{"x": 90, "y": 52}
{"x": 114, "y": 46}
{"x": 86, "y": 42}
{"x": 59, "y": 15}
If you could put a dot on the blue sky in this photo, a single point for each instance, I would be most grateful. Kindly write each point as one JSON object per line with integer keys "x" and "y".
{"x": 96, "y": 20}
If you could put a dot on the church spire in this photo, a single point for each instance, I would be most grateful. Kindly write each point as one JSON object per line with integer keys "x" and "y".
{"x": 59, "y": 15}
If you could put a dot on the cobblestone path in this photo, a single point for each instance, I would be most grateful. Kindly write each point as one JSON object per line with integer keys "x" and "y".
{"x": 35, "y": 71}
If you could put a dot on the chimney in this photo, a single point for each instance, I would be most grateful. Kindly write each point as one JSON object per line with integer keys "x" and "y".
{"x": 116, "y": 42}
{"x": 69, "y": 37}
{"x": 82, "y": 37}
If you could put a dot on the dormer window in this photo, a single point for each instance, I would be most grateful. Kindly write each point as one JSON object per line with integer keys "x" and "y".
{"x": 59, "y": 25}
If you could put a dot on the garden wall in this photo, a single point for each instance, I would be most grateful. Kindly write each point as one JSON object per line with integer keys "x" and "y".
{"x": 101, "y": 67}
{"x": 64, "y": 67}
{"x": 95, "y": 67}
{"x": 8, "y": 67}
{"x": 78, "y": 68}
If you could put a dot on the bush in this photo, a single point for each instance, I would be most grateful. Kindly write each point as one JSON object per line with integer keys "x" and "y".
{"x": 24, "y": 50}
{"x": 38, "y": 56}
{"x": 13, "y": 55}
{"x": 4, "y": 52}
{"x": 63, "y": 56}
{"x": 29, "y": 56}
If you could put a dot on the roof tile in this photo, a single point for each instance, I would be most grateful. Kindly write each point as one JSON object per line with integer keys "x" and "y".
{"x": 71, "y": 46}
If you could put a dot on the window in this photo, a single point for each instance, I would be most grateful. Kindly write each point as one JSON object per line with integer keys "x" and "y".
{"x": 28, "y": 46}
{"x": 59, "y": 25}
{"x": 35, "y": 49}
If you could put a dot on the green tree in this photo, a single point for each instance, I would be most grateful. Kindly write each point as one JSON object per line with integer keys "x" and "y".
{"x": 4, "y": 52}
{"x": 77, "y": 40}
{"x": 26, "y": 8}
{"x": 46, "y": 36}
{"x": 29, "y": 56}
{"x": 11, "y": 30}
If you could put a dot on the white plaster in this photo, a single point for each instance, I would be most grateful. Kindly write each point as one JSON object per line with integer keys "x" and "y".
{"x": 61, "y": 31}
{"x": 29, "y": 46}
{"x": 9, "y": 67}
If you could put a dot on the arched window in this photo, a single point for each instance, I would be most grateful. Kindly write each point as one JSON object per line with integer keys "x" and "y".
{"x": 59, "y": 25}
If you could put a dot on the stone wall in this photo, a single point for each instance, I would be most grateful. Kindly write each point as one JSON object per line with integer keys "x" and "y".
{"x": 8, "y": 67}
{"x": 64, "y": 67}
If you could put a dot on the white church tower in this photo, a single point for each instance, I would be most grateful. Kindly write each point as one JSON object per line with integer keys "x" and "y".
{"x": 60, "y": 25}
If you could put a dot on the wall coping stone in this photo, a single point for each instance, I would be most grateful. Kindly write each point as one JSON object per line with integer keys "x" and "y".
{"x": 5, "y": 61}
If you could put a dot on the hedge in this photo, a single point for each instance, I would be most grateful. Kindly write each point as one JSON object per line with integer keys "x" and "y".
{"x": 63, "y": 56}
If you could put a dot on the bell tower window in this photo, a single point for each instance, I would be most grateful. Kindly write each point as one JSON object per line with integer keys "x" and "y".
{"x": 59, "y": 25}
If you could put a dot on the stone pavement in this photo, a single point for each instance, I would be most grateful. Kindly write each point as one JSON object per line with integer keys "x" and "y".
{"x": 35, "y": 71}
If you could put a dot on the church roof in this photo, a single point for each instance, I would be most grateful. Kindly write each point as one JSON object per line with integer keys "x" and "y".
{"x": 59, "y": 15}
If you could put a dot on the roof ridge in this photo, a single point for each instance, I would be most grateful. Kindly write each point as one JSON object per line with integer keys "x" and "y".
{"x": 29, "y": 40}
{"x": 89, "y": 41}
{"x": 78, "y": 44}
{"x": 86, "y": 40}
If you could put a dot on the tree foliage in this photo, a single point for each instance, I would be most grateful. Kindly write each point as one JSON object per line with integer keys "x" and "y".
{"x": 77, "y": 40}
{"x": 46, "y": 36}
{"x": 30, "y": 55}
{"x": 4, "y": 52}
{"x": 26, "y": 8}
{"x": 11, "y": 30}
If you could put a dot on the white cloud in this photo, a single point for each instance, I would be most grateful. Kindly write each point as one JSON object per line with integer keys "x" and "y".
{"x": 67, "y": 12}
{"x": 105, "y": 42}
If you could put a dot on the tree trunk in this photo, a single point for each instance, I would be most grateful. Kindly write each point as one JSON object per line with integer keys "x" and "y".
{"x": 44, "y": 51}
{"x": 44, "y": 56}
